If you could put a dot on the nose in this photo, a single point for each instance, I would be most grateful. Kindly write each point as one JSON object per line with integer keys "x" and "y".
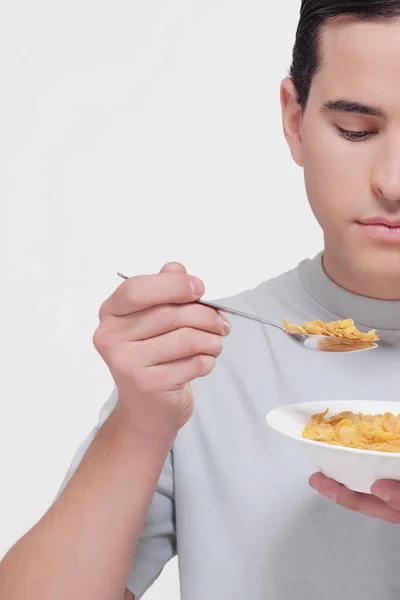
{"x": 386, "y": 176}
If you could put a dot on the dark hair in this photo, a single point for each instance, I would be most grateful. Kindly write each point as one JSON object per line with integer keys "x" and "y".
{"x": 313, "y": 15}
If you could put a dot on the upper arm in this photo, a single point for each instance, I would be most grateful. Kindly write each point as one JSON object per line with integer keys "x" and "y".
{"x": 128, "y": 595}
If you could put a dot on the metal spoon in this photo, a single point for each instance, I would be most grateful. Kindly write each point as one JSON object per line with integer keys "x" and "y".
{"x": 320, "y": 343}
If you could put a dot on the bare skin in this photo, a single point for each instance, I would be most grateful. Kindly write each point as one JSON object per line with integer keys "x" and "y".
{"x": 155, "y": 341}
{"x": 349, "y": 181}
{"x": 383, "y": 503}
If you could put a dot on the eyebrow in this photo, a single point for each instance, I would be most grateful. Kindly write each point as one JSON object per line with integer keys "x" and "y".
{"x": 353, "y": 107}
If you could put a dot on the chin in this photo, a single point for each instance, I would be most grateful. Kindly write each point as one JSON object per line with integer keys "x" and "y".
{"x": 373, "y": 263}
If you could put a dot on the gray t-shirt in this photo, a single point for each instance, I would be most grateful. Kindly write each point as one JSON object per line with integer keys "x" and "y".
{"x": 233, "y": 500}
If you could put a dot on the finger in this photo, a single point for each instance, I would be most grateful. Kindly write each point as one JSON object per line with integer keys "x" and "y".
{"x": 174, "y": 375}
{"x": 178, "y": 344}
{"x": 141, "y": 292}
{"x": 159, "y": 320}
{"x": 317, "y": 480}
{"x": 173, "y": 267}
{"x": 388, "y": 491}
{"x": 365, "y": 504}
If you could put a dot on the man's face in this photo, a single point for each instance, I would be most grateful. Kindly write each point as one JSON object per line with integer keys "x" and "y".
{"x": 351, "y": 159}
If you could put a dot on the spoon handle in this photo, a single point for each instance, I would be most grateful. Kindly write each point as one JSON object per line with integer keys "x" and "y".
{"x": 238, "y": 313}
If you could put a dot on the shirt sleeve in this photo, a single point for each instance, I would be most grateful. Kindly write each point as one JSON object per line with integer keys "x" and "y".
{"x": 157, "y": 544}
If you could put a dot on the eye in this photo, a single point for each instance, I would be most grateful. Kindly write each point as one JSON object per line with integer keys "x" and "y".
{"x": 355, "y": 136}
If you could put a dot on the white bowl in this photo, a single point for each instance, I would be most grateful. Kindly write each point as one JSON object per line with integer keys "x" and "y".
{"x": 356, "y": 469}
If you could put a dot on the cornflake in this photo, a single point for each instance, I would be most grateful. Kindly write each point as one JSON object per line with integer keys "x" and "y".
{"x": 379, "y": 432}
{"x": 344, "y": 329}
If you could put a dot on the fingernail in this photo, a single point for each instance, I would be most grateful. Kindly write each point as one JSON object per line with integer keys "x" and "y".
{"x": 196, "y": 285}
{"x": 382, "y": 494}
{"x": 227, "y": 326}
{"x": 328, "y": 494}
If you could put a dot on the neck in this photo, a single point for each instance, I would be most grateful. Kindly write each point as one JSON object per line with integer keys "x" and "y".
{"x": 367, "y": 286}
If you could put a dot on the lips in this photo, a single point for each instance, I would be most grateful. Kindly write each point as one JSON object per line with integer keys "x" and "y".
{"x": 382, "y": 221}
{"x": 381, "y": 229}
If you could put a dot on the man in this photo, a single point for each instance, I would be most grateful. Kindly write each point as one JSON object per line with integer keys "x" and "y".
{"x": 182, "y": 461}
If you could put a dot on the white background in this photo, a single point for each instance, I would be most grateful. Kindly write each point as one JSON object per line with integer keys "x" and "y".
{"x": 132, "y": 133}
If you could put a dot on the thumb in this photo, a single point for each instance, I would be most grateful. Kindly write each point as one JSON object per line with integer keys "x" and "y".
{"x": 173, "y": 267}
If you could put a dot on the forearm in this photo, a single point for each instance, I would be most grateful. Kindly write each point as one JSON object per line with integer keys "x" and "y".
{"x": 84, "y": 545}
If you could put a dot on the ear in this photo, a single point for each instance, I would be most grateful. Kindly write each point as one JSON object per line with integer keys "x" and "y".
{"x": 292, "y": 118}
